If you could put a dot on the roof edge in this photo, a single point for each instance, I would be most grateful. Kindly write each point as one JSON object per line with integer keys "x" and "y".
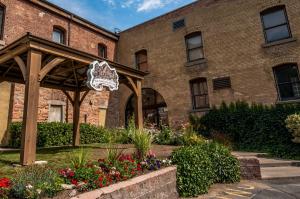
{"x": 75, "y": 18}
{"x": 160, "y": 16}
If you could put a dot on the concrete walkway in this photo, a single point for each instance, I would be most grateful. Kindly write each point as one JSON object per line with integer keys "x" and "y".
{"x": 254, "y": 190}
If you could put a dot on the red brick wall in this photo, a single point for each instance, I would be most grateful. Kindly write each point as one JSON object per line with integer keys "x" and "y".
{"x": 23, "y": 16}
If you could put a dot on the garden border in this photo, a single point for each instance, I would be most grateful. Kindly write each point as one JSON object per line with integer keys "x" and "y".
{"x": 158, "y": 184}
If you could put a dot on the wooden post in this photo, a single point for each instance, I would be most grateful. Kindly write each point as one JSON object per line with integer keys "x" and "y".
{"x": 31, "y": 102}
{"x": 139, "y": 106}
{"x": 76, "y": 115}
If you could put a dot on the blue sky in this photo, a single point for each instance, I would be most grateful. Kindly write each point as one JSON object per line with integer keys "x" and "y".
{"x": 121, "y": 14}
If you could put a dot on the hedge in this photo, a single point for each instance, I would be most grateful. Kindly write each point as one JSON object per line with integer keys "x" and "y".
{"x": 59, "y": 134}
{"x": 253, "y": 127}
{"x": 199, "y": 166}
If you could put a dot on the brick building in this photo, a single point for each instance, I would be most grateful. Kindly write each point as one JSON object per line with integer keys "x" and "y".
{"x": 197, "y": 56}
{"x": 216, "y": 50}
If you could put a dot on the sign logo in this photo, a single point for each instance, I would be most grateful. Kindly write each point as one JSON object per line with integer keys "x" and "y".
{"x": 101, "y": 75}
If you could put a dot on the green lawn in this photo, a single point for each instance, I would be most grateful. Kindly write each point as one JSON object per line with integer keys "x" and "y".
{"x": 59, "y": 157}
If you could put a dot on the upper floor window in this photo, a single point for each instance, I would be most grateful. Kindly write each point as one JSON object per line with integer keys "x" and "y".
{"x": 141, "y": 60}
{"x": 2, "y": 18}
{"x": 58, "y": 35}
{"x": 102, "y": 51}
{"x": 199, "y": 93}
{"x": 276, "y": 24}
{"x": 288, "y": 83}
{"x": 194, "y": 46}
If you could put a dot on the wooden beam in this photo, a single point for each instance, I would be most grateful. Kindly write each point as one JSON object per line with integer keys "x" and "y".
{"x": 31, "y": 103}
{"x": 76, "y": 117}
{"x": 22, "y": 66}
{"x": 48, "y": 67}
{"x": 75, "y": 75}
{"x": 133, "y": 85}
{"x": 139, "y": 105}
{"x": 69, "y": 97}
{"x": 80, "y": 57}
{"x": 12, "y": 53}
{"x": 7, "y": 70}
{"x": 84, "y": 95}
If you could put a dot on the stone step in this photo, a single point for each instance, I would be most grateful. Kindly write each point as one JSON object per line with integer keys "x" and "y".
{"x": 266, "y": 162}
{"x": 280, "y": 173}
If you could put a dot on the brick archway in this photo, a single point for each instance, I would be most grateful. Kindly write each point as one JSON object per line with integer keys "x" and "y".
{"x": 155, "y": 110}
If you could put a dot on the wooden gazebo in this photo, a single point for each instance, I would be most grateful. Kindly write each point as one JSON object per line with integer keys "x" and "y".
{"x": 38, "y": 62}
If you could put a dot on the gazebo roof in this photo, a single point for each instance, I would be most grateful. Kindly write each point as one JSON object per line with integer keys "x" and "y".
{"x": 63, "y": 67}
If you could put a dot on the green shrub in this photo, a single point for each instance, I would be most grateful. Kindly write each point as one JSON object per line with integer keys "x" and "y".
{"x": 194, "y": 170}
{"x": 253, "y": 127}
{"x": 201, "y": 165}
{"x": 59, "y": 134}
{"x": 225, "y": 166}
{"x": 90, "y": 134}
{"x": 36, "y": 182}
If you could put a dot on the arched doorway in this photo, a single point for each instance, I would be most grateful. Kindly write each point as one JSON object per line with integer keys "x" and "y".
{"x": 155, "y": 110}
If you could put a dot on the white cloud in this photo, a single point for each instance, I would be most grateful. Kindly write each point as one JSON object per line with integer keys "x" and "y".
{"x": 110, "y": 2}
{"x": 141, "y": 5}
{"x": 127, "y": 3}
{"x": 147, "y": 5}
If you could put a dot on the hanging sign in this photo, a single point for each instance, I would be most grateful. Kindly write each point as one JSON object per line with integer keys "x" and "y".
{"x": 101, "y": 75}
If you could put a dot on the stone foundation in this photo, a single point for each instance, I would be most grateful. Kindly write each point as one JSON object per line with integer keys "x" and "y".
{"x": 155, "y": 185}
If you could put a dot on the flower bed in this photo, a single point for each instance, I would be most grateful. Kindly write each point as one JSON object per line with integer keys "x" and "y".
{"x": 81, "y": 176}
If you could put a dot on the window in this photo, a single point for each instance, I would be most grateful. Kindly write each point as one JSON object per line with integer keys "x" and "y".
{"x": 55, "y": 113}
{"x": 287, "y": 79}
{"x": 199, "y": 93}
{"x": 194, "y": 46}
{"x": 102, "y": 51}
{"x": 275, "y": 23}
{"x": 141, "y": 60}
{"x": 178, "y": 24}
{"x": 58, "y": 35}
{"x": 2, "y": 18}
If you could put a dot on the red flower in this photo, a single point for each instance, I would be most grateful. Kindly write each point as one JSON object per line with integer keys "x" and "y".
{"x": 71, "y": 174}
{"x": 5, "y": 183}
{"x": 74, "y": 182}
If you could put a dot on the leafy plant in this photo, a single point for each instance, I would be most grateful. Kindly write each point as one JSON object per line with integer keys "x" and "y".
{"x": 165, "y": 136}
{"x": 201, "y": 165}
{"x": 142, "y": 141}
{"x": 225, "y": 166}
{"x": 194, "y": 170}
{"x": 36, "y": 182}
{"x": 293, "y": 124}
{"x": 79, "y": 159}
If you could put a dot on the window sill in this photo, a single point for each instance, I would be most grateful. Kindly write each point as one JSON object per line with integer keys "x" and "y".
{"x": 292, "y": 101}
{"x": 200, "y": 110}
{"x": 196, "y": 62}
{"x": 275, "y": 43}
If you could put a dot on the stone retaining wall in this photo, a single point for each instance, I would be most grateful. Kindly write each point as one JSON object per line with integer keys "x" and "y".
{"x": 155, "y": 185}
{"x": 250, "y": 168}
